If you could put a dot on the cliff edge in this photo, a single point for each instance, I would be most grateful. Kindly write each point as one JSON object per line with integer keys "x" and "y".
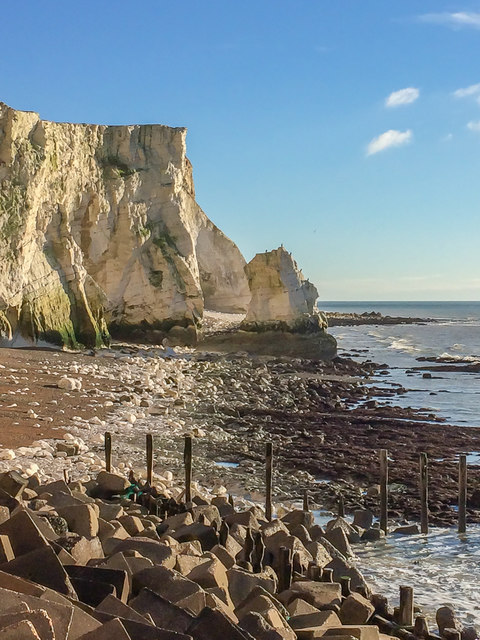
{"x": 100, "y": 232}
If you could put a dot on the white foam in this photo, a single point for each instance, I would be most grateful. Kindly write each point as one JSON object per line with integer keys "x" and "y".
{"x": 402, "y": 344}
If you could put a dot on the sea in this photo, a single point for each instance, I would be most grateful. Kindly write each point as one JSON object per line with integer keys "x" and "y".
{"x": 455, "y": 336}
{"x": 442, "y": 567}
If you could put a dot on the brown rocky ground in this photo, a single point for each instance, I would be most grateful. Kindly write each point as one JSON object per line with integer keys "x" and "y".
{"x": 323, "y": 421}
{"x": 29, "y": 376}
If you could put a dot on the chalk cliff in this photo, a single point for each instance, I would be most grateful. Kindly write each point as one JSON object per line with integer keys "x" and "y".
{"x": 100, "y": 232}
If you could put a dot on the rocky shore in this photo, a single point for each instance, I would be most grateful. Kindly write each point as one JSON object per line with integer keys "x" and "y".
{"x": 326, "y": 421}
{"x": 339, "y": 319}
{"x": 116, "y": 557}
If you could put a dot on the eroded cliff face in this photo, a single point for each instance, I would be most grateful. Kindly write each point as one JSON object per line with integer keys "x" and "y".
{"x": 100, "y": 231}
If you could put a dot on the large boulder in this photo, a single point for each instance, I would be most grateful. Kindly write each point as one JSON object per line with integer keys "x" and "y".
{"x": 100, "y": 231}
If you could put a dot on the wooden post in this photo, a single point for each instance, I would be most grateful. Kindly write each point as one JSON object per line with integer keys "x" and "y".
{"x": 149, "y": 459}
{"x": 268, "y": 480}
{"x": 462, "y": 494}
{"x": 312, "y": 566}
{"x": 108, "y": 452}
{"x": 306, "y": 506}
{"x": 327, "y": 575}
{"x": 345, "y": 582}
{"x": 341, "y": 506}
{"x": 384, "y": 490}
{"x": 187, "y": 457}
{"x": 406, "y": 607}
{"x": 316, "y": 574}
{"x": 423, "y": 493}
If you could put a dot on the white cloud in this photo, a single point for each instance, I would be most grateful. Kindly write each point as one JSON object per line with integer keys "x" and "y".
{"x": 448, "y": 137}
{"x": 472, "y": 90}
{"x": 474, "y": 126}
{"x": 391, "y": 138}
{"x": 456, "y": 20}
{"x": 404, "y": 96}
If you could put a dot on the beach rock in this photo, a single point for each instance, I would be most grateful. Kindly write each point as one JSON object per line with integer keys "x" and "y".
{"x": 111, "y": 484}
{"x": 258, "y": 628}
{"x": 81, "y": 519}
{"x": 318, "y": 594}
{"x": 372, "y": 535}
{"x": 446, "y": 619}
{"x": 407, "y": 530}
{"x": 102, "y": 231}
{"x": 342, "y": 567}
{"x": 242, "y": 582}
{"x": 356, "y": 609}
{"x": 339, "y": 540}
{"x": 363, "y": 518}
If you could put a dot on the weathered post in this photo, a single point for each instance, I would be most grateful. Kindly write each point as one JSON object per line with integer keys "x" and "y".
{"x": 345, "y": 582}
{"x": 327, "y": 575}
{"x": 384, "y": 490}
{"x": 423, "y": 493}
{"x": 108, "y": 452}
{"x": 149, "y": 459}
{"x": 462, "y": 494}
{"x": 187, "y": 458}
{"x": 341, "y": 506}
{"x": 306, "y": 506}
{"x": 268, "y": 480}
{"x": 405, "y": 613}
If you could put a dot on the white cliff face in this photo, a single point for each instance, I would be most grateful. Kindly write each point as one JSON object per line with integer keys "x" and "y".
{"x": 99, "y": 229}
{"x": 279, "y": 291}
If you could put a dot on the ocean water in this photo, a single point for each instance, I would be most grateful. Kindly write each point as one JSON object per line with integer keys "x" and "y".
{"x": 442, "y": 567}
{"x": 456, "y": 334}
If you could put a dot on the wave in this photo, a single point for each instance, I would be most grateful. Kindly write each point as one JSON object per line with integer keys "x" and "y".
{"x": 449, "y": 357}
{"x": 402, "y": 344}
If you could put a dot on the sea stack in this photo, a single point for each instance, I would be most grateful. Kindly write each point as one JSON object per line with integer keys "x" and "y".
{"x": 282, "y": 299}
{"x": 282, "y": 318}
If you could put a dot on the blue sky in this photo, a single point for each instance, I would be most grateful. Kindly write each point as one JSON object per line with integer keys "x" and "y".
{"x": 292, "y": 134}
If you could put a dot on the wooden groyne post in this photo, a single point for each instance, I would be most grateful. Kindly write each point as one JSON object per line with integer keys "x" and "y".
{"x": 306, "y": 505}
{"x": 462, "y": 494}
{"x": 268, "y": 480}
{"x": 149, "y": 445}
{"x": 384, "y": 490}
{"x": 405, "y": 613}
{"x": 423, "y": 493}
{"x": 108, "y": 451}
{"x": 187, "y": 458}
